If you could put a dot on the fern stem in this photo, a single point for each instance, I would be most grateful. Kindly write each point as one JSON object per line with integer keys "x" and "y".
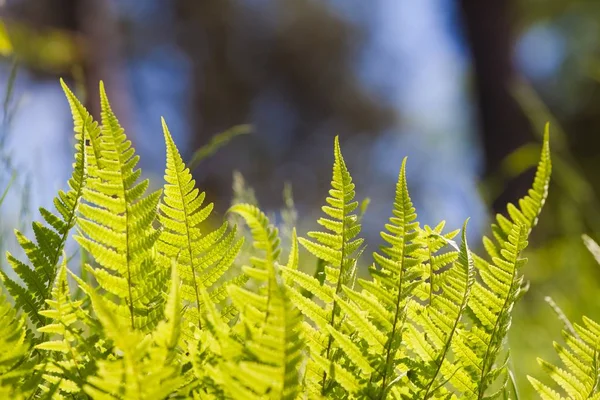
{"x": 513, "y": 383}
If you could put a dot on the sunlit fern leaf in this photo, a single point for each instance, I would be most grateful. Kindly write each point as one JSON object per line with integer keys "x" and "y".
{"x": 395, "y": 274}
{"x": 580, "y": 376}
{"x": 493, "y": 297}
{"x": 478, "y": 346}
{"x": 214, "y": 344}
{"x": 116, "y": 227}
{"x": 437, "y": 323}
{"x": 14, "y": 347}
{"x": 73, "y": 344}
{"x": 269, "y": 367}
{"x": 44, "y": 253}
{"x": 203, "y": 258}
{"x": 338, "y": 248}
{"x": 338, "y": 245}
{"x": 436, "y": 259}
{"x": 581, "y": 359}
{"x": 143, "y": 366}
{"x": 376, "y": 315}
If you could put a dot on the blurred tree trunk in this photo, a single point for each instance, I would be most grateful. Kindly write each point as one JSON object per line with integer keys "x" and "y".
{"x": 503, "y": 125}
{"x": 300, "y": 50}
{"x": 102, "y": 62}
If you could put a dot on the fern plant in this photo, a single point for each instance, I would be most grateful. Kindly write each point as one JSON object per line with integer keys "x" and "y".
{"x": 168, "y": 314}
{"x": 271, "y": 345}
{"x": 45, "y": 253}
{"x": 14, "y": 347}
{"x": 202, "y": 258}
{"x": 494, "y": 295}
{"x": 580, "y": 376}
{"x": 116, "y": 226}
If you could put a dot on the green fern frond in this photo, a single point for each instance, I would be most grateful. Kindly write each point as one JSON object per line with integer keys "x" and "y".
{"x": 478, "y": 347}
{"x": 274, "y": 347}
{"x": 337, "y": 246}
{"x": 116, "y": 226}
{"x": 580, "y": 377}
{"x": 492, "y": 299}
{"x": 202, "y": 258}
{"x": 437, "y": 323}
{"x": 14, "y": 347}
{"x": 44, "y": 254}
{"x": 395, "y": 274}
{"x": 339, "y": 249}
{"x": 376, "y": 316}
{"x": 142, "y": 366}
{"x": 74, "y": 344}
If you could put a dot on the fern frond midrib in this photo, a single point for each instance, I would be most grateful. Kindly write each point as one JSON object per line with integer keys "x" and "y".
{"x": 128, "y": 203}
{"x": 189, "y": 244}
{"x": 396, "y": 317}
{"x": 338, "y": 287}
{"x": 403, "y": 234}
{"x": 596, "y": 371}
{"x": 485, "y": 365}
{"x": 285, "y": 312}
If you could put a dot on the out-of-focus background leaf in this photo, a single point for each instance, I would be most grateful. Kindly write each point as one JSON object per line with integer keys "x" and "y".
{"x": 462, "y": 87}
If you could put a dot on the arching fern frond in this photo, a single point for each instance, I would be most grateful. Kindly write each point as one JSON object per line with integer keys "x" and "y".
{"x": 202, "y": 258}
{"x": 74, "y": 344}
{"x": 338, "y": 245}
{"x": 116, "y": 226}
{"x": 492, "y": 299}
{"x": 339, "y": 249}
{"x": 142, "y": 366}
{"x": 44, "y": 254}
{"x": 580, "y": 376}
{"x": 436, "y": 324}
{"x": 269, "y": 367}
{"x": 14, "y": 347}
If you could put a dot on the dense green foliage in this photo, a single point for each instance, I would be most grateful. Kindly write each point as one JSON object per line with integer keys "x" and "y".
{"x": 164, "y": 310}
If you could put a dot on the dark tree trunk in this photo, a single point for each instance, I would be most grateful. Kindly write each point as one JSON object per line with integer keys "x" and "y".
{"x": 503, "y": 125}
{"x": 102, "y": 61}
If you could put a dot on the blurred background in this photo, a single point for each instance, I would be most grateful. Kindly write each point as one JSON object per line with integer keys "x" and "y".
{"x": 462, "y": 87}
